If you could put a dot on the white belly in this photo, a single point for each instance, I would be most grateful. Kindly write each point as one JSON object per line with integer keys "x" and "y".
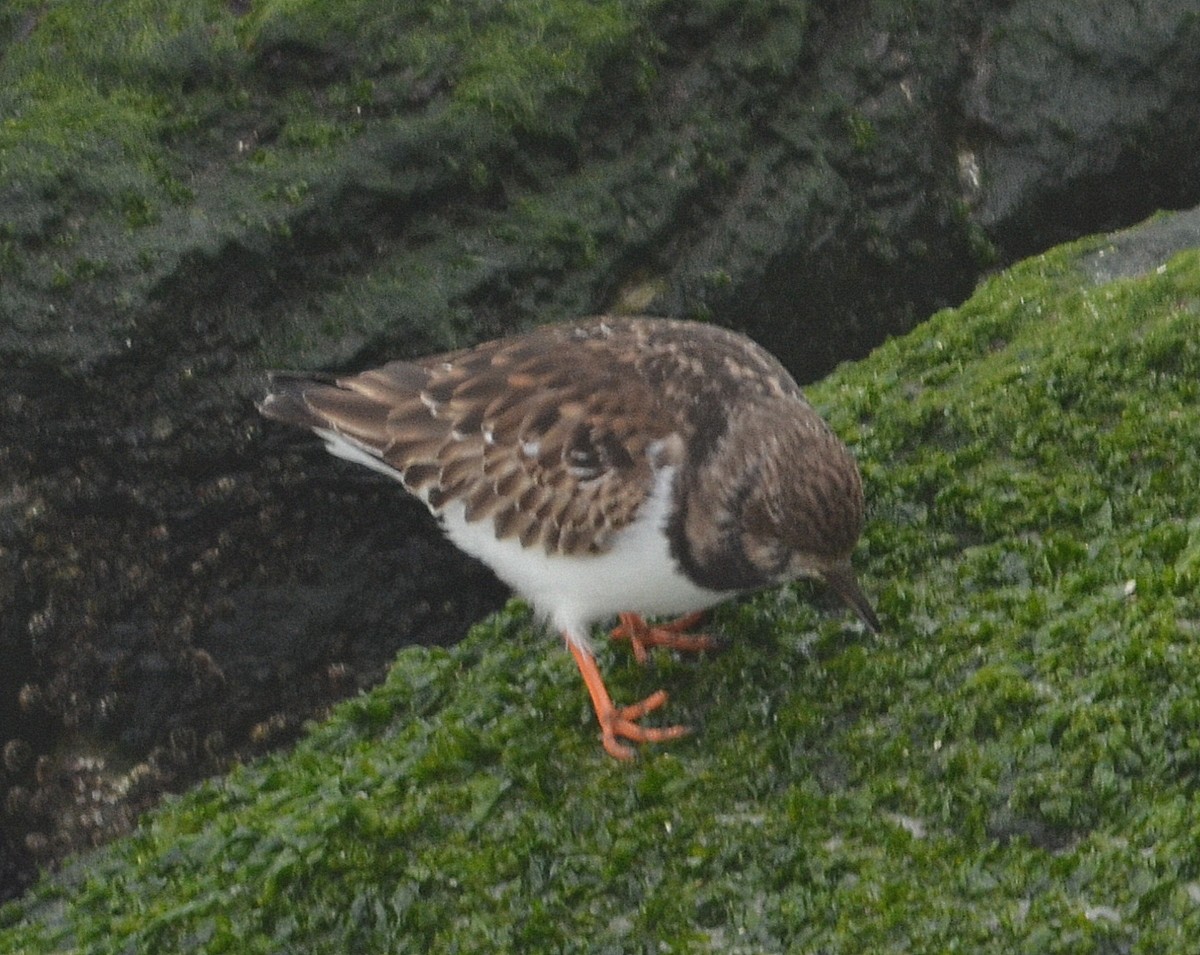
{"x": 636, "y": 574}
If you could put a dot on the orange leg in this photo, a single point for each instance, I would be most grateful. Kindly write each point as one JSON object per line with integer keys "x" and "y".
{"x": 671, "y": 635}
{"x": 621, "y": 721}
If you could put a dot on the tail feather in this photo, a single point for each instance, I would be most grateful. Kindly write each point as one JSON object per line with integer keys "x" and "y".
{"x": 286, "y": 402}
{"x": 327, "y": 406}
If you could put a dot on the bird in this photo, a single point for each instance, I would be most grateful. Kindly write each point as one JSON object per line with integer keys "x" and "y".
{"x": 626, "y": 467}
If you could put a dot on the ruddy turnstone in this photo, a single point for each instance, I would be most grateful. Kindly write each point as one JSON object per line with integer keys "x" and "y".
{"x": 609, "y": 466}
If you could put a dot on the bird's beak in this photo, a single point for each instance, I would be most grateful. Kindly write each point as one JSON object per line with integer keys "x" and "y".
{"x": 842, "y": 579}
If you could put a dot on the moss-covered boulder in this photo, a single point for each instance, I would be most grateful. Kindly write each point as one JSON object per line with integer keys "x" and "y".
{"x": 1013, "y": 766}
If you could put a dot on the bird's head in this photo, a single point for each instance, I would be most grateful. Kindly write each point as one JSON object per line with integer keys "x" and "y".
{"x": 806, "y": 517}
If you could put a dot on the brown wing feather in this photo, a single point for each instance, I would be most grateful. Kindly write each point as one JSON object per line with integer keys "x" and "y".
{"x": 549, "y": 434}
{"x": 526, "y": 438}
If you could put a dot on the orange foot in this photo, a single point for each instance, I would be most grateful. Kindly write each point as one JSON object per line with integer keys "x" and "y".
{"x": 642, "y": 635}
{"x": 621, "y": 721}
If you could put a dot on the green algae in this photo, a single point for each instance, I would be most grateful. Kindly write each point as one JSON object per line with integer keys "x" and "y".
{"x": 1011, "y": 767}
{"x": 137, "y": 145}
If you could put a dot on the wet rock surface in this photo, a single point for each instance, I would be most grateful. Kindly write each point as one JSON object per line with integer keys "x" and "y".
{"x": 183, "y": 585}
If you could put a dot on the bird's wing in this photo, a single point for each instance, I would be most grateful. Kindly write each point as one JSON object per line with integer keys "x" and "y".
{"x": 554, "y": 436}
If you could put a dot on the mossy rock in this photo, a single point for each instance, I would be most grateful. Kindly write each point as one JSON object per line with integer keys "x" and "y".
{"x": 1012, "y": 766}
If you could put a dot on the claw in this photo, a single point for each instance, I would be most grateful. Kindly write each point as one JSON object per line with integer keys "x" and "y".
{"x": 642, "y": 635}
{"x": 621, "y": 721}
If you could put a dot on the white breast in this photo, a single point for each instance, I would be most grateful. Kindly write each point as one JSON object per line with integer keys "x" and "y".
{"x": 636, "y": 574}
